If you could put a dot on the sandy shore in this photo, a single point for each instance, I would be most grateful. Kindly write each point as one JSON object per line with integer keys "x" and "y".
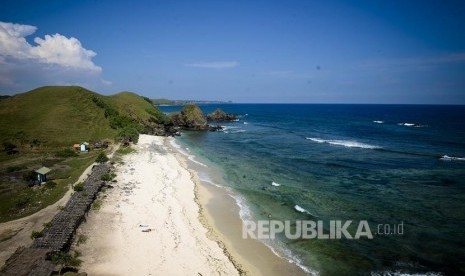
{"x": 155, "y": 191}
{"x": 195, "y": 228}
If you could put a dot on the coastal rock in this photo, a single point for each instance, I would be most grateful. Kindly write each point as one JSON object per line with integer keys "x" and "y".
{"x": 215, "y": 128}
{"x": 190, "y": 117}
{"x": 220, "y": 116}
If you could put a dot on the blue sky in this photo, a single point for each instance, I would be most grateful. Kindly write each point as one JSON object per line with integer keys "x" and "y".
{"x": 244, "y": 51}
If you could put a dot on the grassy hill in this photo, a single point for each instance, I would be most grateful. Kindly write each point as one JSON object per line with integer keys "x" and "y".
{"x": 44, "y": 123}
{"x": 62, "y": 115}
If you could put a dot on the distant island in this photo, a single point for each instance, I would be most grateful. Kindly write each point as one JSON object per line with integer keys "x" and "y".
{"x": 185, "y": 102}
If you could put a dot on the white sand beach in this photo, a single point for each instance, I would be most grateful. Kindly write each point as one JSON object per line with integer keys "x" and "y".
{"x": 153, "y": 192}
{"x": 159, "y": 220}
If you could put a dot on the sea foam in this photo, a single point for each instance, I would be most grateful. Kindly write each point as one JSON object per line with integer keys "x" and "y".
{"x": 378, "y": 122}
{"x": 406, "y": 124}
{"x": 452, "y": 158}
{"x": 185, "y": 153}
{"x": 345, "y": 143}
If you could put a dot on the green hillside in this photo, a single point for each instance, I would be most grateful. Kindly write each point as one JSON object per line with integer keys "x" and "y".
{"x": 38, "y": 128}
{"x": 55, "y": 116}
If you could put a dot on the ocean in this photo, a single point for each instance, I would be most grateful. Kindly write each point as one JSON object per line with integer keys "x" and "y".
{"x": 395, "y": 165}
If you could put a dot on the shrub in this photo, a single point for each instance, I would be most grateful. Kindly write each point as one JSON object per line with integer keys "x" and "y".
{"x": 36, "y": 234}
{"x": 79, "y": 187}
{"x": 81, "y": 239}
{"x": 101, "y": 158}
{"x": 129, "y": 133}
{"x": 97, "y": 205}
{"x": 105, "y": 177}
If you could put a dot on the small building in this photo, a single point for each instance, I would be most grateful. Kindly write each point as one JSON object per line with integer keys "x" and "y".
{"x": 84, "y": 146}
{"x": 77, "y": 147}
{"x": 42, "y": 174}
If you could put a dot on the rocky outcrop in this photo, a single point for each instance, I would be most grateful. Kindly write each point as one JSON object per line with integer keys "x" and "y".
{"x": 220, "y": 116}
{"x": 190, "y": 117}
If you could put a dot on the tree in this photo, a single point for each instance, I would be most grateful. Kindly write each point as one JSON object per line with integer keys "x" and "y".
{"x": 129, "y": 133}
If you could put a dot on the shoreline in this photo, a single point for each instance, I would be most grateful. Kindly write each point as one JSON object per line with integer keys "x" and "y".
{"x": 219, "y": 213}
{"x": 148, "y": 223}
{"x": 156, "y": 189}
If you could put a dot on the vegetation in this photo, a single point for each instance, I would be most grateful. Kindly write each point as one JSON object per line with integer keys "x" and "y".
{"x": 97, "y": 204}
{"x": 50, "y": 184}
{"x": 220, "y": 116}
{"x": 101, "y": 158}
{"x": 81, "y": 239}
{"x": 36, "y": 234}
{"x": 129, "y": 134}
{"x": 85, "y": 115}
{"x": 18, "y": 200}
{"x": 68, "y": 152}
{"x": 163, "y": 101}
{"x": 125, "y": 150}
{"x": 38, "y": 129}
{"x": 190, "y": 117}
{"x": 63, "y": 259}
{"x": 78, "y": 187}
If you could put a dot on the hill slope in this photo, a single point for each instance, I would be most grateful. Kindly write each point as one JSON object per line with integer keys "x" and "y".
{"x": 62, "y": 115}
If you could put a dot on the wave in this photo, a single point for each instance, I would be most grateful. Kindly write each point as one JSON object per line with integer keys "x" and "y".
{"x": 411, "y": 125}
{"x": 407, "y": 124}
{"x": 345, "y": 143}
{"x": 452, "y": 158}
{"x": 244, "y": 211}
{"x": 378, "y": 122}
{"x": 232, "y": 129}
{"x": 185, "y": 153}
{"x": 302, "y": 210}
{"x": 277, "y": 248}
{"x": 245, "y": 123}
{"x": 275, "y": 184}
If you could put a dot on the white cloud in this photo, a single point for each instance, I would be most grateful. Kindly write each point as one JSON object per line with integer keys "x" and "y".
{"x": 56, "y": 56}
{"x": 214, "y": 64}
{"x": 58, "y": 49}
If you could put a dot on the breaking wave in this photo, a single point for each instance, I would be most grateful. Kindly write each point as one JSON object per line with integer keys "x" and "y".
{"x": 452, "y": 158}
{"x": 345, "y": 143}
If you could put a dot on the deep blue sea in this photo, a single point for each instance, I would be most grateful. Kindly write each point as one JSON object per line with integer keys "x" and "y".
{"x": 386, "y": 164}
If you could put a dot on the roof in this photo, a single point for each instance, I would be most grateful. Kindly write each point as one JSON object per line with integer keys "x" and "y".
{"x": 76, "y": 146}
{"x": 43, "y": 170}
{"x": 85, "y": 143}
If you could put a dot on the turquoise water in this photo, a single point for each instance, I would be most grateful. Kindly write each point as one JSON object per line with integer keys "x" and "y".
{"x": 387, "y": 164}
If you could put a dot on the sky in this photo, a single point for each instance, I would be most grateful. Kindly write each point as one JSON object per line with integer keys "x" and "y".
{"x": 408, "y": 52}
